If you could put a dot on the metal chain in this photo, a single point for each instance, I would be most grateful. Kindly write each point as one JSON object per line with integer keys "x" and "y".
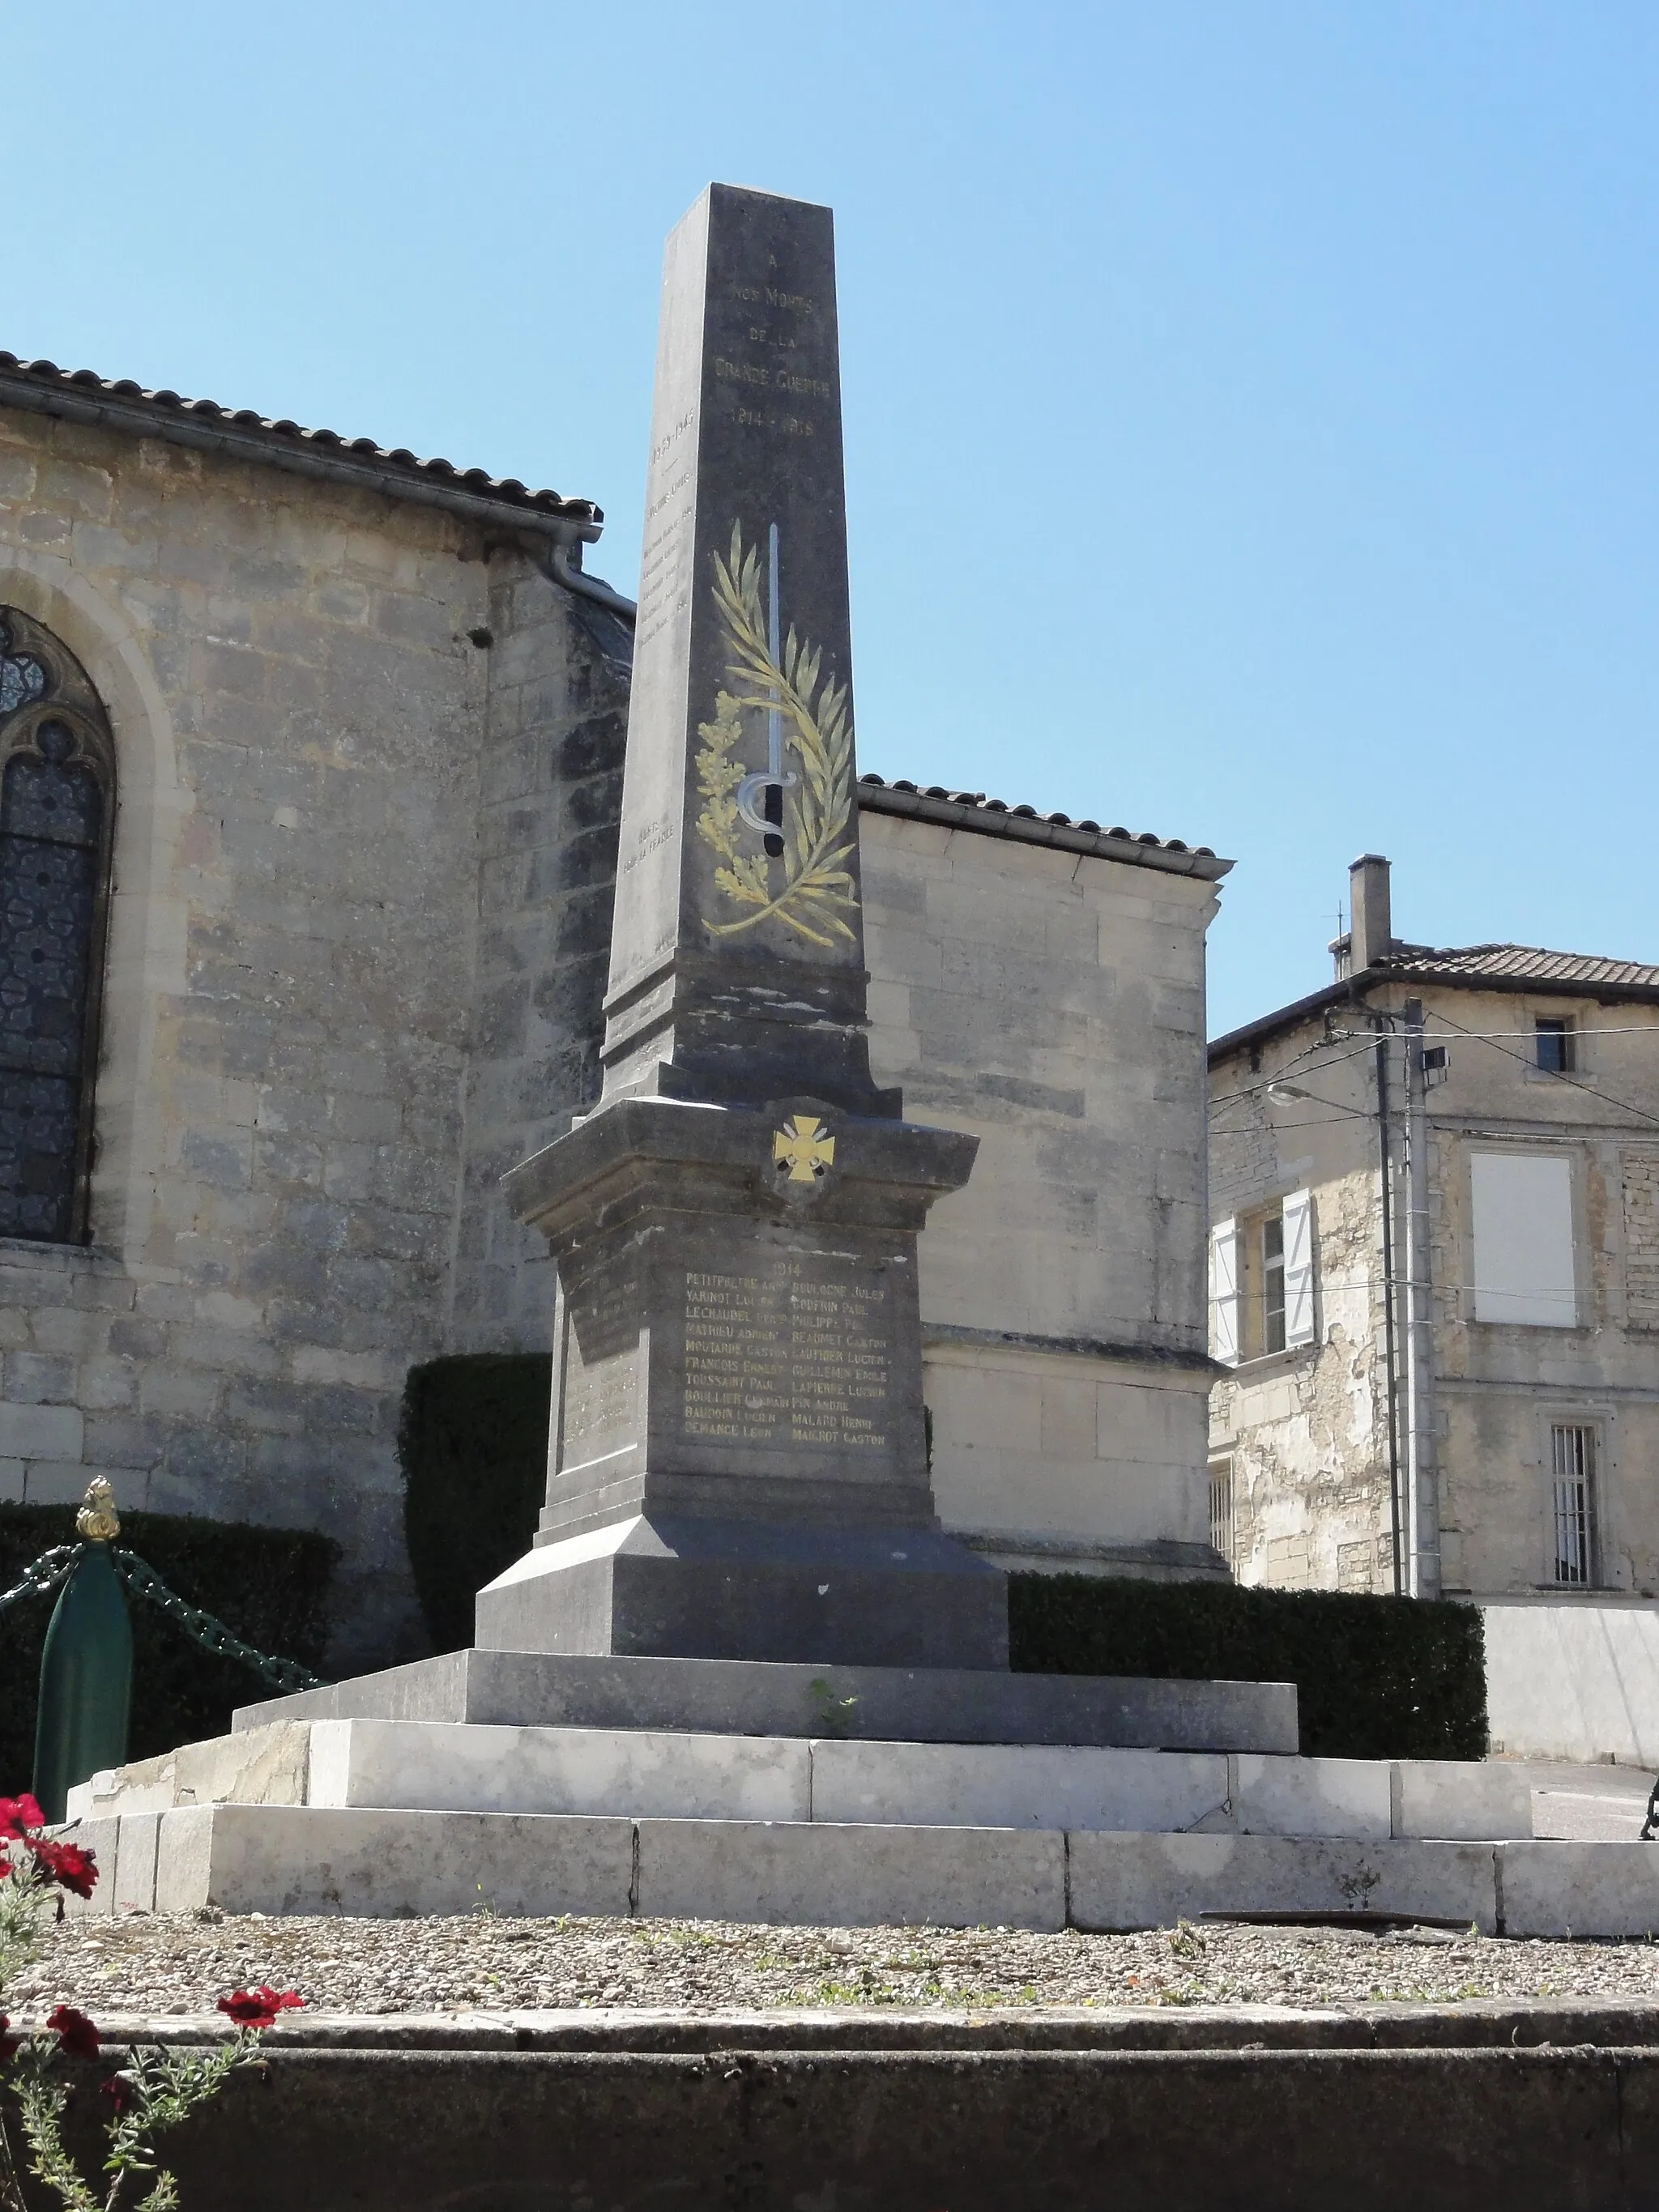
{"x": 42, "y": 1575}
{"x": 212, "y": 1635}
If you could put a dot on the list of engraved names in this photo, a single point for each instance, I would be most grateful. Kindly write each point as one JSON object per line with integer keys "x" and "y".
{"x": 784, "y": 1356}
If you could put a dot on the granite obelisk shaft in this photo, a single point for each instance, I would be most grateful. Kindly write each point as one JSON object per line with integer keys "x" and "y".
{"x": 737, "y": 948}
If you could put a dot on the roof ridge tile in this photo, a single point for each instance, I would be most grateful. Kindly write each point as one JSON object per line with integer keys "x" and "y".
{"x": 508, "y": 490}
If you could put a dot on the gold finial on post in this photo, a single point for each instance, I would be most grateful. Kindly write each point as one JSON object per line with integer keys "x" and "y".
{"x": 98, "y": 1519}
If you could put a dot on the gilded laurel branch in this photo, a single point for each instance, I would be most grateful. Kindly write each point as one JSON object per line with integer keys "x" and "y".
{"x": 817, "y": 837}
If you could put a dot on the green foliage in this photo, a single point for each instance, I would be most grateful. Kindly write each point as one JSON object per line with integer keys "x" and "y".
{"x": 161, "y": 2089}
{"x": 473, "y": 1446}
{"x": 1377, "y": 1677}
{"x": 270, "y": 1585}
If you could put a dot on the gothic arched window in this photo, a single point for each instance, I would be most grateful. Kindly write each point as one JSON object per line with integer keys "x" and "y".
{"x": 56, "y": 821}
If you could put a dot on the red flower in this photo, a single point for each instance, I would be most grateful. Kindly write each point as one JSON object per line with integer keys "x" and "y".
{"x": 18, "y": 1816}
{"x": 258, "y": 2008}
{"x": 77, "y": 2036}
{"x": 67, "y": 1864}
{"x": 121, "y": 2093}
{"x": 7, "y": 2043}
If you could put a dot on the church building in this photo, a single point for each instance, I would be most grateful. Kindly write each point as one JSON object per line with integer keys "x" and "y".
{"x": 310, "y": 772}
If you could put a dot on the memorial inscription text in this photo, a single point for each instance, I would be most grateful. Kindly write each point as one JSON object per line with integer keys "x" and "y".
{"x": 785, "y": 1357}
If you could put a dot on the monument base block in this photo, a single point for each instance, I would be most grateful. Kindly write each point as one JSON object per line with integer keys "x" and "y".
{"x": 688, "y": 1587}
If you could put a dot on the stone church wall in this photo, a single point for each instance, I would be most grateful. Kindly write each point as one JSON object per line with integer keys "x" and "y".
{"x": 305, "y": 731}
{"x": 550, "y": 805}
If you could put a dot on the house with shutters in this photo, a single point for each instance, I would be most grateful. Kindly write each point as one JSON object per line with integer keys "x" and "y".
{"x": 1434, "y": 1283}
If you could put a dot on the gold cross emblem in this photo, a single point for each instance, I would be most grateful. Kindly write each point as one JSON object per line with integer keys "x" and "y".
{"x": 803, "y": 1146}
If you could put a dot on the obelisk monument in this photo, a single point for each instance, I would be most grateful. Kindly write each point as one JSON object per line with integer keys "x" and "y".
{"x": 737, "y": 1462}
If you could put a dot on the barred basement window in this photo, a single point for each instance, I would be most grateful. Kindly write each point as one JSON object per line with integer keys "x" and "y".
{"x": 1572, "y": 1489}
{"x": 1221, "y": 1508}
{"x": 57, "y": 821}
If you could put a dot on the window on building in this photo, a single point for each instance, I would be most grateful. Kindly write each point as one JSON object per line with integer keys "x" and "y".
{"x": 1261, "y": 1281}
{"x": 1221, "y": 1508}
{"x": 1572, "y": 1495}
{"x": 57, "y": 820}
{"x": 1273, "y": 1283}
{"x": 1558, "y": 1046}
{"x": 1522, "y": 1210}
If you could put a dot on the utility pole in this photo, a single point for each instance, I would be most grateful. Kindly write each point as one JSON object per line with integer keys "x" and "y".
{"x": 1390, "y": 1357}
{"x": 1422, "y": 1485}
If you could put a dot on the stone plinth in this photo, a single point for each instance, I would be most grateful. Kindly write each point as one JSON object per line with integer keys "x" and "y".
{"x": 738, "y": 1460}
{"x": 756, "y": 1590}
{"x": 922, "y": 1705}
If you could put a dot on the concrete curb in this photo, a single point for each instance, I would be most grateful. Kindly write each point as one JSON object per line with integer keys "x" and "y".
{"x": 482, "y": 2128}
{"x": 1479, "y": 2024}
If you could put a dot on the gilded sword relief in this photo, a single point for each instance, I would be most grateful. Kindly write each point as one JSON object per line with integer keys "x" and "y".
{"x": 810, "y": 828}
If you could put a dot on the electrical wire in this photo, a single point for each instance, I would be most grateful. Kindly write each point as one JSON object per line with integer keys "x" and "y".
{"x": 1551, "y": 1297}
{"x": 1594, "y": 1029}
{"x": 1249, "y": 1090}
{"x": 1558, "y": 1075}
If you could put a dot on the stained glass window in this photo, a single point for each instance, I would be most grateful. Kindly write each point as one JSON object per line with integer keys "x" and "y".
{"x": 56, "y": 795}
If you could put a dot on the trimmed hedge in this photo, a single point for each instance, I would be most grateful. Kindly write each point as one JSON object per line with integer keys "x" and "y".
{"x": 472, "y": 1443}
{"x": 270, "y": 1585}
{"x": 1377, "y": 1677}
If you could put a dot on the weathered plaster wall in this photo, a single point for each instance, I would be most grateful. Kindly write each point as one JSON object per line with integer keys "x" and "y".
{"x": 1573, "y": 1679}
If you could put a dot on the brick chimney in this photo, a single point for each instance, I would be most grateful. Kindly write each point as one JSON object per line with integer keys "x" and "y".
{"x": 1370, "y": 927}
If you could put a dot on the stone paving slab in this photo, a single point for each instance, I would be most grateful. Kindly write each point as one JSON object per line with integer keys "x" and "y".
{"x": 673, "y": 1774}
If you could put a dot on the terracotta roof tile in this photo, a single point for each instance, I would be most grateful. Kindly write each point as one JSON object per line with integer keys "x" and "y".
{"x": 972, "y": 810}
{"x": 1530, "y": 964}
{"x": 40, "y": 379}
{"x": 1514, "y": 968}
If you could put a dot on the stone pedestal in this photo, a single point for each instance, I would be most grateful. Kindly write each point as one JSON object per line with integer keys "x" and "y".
{"x": 737, "y": 1466}
{"x": 682, "y": 1586}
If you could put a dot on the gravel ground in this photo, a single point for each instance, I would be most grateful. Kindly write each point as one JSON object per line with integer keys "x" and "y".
{"x": 181, "y": 1963}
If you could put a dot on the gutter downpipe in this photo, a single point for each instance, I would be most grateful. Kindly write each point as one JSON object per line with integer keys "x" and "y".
{"x": 1390, "y": 1349}
{"x": 563, "y": 565}
{"x": 1423, "y": 1503}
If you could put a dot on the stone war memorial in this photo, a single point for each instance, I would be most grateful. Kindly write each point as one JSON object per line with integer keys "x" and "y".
{"x": 742, "y": 1673}
{"x": 737, "y": 1465}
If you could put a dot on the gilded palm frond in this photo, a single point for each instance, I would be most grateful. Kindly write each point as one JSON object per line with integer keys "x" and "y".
{"x": 820, "y": 805}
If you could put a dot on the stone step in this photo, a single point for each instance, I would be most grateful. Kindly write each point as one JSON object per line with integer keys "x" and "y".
{"x": 314, "y": 1859}
{"x": 733, "y": 1697}
{"x": 638, "y": 1773}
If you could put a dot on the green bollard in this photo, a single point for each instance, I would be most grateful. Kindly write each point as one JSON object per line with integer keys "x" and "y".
{"x": 86, "y": 1668}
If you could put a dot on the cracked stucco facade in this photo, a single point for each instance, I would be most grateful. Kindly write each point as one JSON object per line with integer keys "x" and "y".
{"x": 1305, "y": 1432}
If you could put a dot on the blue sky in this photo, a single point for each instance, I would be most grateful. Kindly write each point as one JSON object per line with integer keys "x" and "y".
{"x": 1251, "y": 407}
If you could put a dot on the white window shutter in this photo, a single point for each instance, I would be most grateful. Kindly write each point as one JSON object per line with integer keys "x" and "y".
{"x": 1223, "y": 1292}
{"x": 1523, "y": 1255}
{"x": 1298, "y": 1268}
